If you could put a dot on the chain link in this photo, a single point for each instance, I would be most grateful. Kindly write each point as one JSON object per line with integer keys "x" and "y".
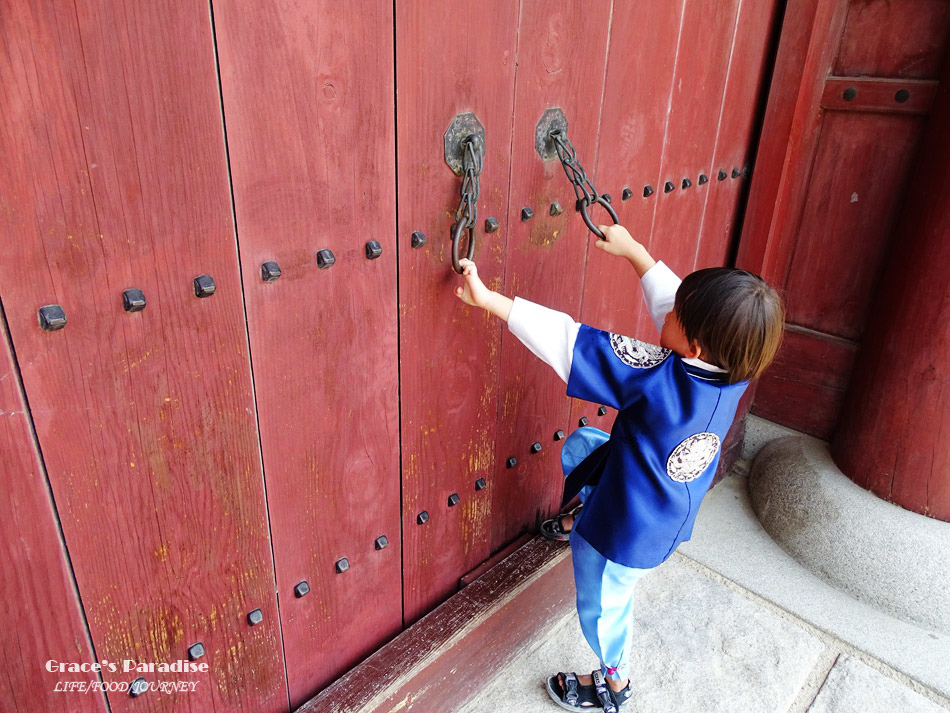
{"x": 466, "y": 215}
{"x": 471, "y": 185}
{"x": 584, "y": 190}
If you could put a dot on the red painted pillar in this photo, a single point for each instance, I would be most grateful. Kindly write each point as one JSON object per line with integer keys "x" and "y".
{"x": 894, "y": 434}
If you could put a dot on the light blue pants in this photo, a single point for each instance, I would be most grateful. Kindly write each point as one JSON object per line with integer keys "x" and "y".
{"x": 604, "y": 588}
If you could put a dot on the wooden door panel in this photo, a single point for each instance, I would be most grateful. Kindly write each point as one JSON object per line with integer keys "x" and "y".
{"x": 737, "y": 138}
{"x": 117, "y": 179}
{"x": 695, "y": 108}
{"x": 43, "y": 617}
{"x": 449, "y": 354}
{"x": 633, "y": 123}
{"x": 904, "y": 39}
{"x": 309, "y": 110}
{"x": 561, "y": 63}
{"x": 848, "y": 217}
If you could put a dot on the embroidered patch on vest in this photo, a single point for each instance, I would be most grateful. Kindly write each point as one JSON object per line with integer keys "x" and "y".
{"x": 637, "y": 354}
{"x": 690, "y": 458}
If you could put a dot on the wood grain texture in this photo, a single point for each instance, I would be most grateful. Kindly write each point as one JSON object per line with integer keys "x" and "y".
{"x": 117, "y": 179}
{"x": 905, "y": 39}
{"x": 893, "y": 435}
{"x": 449, "y": 351}
{"x": 482, "y": 627}
{"x": 633, "y": 123}
{"x": 311, "y": 134}
{"x": 562, "y": 55}
{"x": 804, "y": 387}
{"x": 852, "y": 197}
{"x": 43, "y": 616}
{"x": 745, "y": 95}
{"x": 699, "y": 85}
{"x": 790, "y": 130}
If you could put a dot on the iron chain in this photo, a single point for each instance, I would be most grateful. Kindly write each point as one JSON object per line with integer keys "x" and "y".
{"x": 467, "y": 213}
{"x": 584, "y": 190}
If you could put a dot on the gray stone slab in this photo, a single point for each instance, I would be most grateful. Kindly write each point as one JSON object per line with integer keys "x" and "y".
{"x": 697, "y": 646}
{"x": 729, "y": 539}
{"x": 884, "y": 555}
{"x": 855, "y": 687}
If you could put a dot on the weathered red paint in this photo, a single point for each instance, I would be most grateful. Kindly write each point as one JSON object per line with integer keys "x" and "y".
{"x": 43, "y": 619}
{"x": 308, "y": 105}
{"x": 545, "y": 256}
{"x": 447, "y": 64}
{"x": 894, "y": 435}
{"x": 116, "y": 178}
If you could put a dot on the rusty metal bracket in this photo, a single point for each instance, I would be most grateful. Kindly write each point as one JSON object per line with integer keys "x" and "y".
{"x": 551, "y": 120}
{"x": 463, "y": 127}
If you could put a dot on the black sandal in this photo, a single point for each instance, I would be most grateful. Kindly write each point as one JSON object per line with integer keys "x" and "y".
{"x": 553, "y": 529}
{"x": 572, "y": 695}
{"x": 609, "y": 699}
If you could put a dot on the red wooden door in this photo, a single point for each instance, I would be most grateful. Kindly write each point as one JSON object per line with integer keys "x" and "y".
{"x": 854, "y": 81}
{"x": 308, "y": 105}
{"x": 272, "y": 446}
{"x": 116, "y": 179}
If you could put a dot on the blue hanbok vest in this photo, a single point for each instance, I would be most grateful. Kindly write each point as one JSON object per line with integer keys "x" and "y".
{"x": 663, "y": 449}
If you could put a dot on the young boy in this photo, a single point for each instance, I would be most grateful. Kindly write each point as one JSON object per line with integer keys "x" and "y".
{"x": 641, "y": 486}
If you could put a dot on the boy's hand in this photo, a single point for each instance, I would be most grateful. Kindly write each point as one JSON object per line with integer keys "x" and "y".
{"x": 473, "y": 292}
{"x": 617, "y": 241}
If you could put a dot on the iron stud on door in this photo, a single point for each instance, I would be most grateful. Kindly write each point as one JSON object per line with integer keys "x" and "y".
{"x": 270, "y": 271}
{"x": 133, "y": 300}
{"x": 52, "y": 317}
{"x": 373, "y": 250}
{"x": 204, "y": 286}
{"x": 325, "y": 259}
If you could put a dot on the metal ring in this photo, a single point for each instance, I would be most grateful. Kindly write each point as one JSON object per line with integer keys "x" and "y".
{"x": 459, "y": 229}
{"x": 585, "y": 202}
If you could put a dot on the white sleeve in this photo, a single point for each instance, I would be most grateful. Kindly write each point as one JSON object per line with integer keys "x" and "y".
{"x": 659, "y": 285}
{"x": 550, "y": 335}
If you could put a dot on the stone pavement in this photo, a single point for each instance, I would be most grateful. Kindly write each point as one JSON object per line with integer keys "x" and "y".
{"x": 732, "y": 624}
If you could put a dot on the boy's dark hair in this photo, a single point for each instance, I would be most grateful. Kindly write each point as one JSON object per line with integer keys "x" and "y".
{"x": 735, "y": 318}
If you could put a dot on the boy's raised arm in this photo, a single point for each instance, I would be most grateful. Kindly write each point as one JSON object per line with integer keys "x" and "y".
{"x": 547, "y": 333}
{"x": 658, "y": 282}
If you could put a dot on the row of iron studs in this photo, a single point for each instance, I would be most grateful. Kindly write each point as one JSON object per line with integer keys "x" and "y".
{"x": 423, "y": 517}
{"x": 527, "y": 213}
{"x": 53, "y": 317}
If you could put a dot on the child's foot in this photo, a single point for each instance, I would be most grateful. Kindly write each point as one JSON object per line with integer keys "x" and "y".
{"x": 559, "y": 528}
{"x": 572, "y": 691}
